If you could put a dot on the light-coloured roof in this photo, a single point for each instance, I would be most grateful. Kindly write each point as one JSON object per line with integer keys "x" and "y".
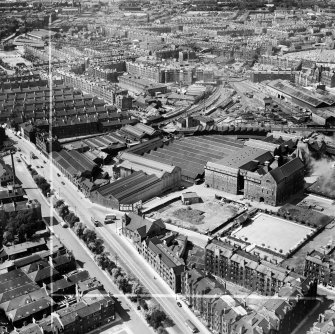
{"x": 147, "y": 162}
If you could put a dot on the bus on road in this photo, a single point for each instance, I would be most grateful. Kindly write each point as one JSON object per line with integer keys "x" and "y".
{"x": 109, "y": 219}
{"x": 191, "y": 326}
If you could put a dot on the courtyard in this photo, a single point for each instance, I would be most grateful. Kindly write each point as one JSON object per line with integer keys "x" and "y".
{"x": 274, "y": 233}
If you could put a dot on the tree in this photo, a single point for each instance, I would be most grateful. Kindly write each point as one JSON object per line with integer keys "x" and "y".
{"x": 102, "y": 260}
{"x": 123, "y": 284}
{"x": 58, "y": 203}
{"x": 71, "y": 218}
{"x": 89, "y": 235}
{"x": 137, "y": 290}
{"x": 79, "y": 229}
{"x": 8, "y": 237}
{"x": 110, "y": 265}
{"x": 39, "y": 179}
{"x": 98, "y": 246}
{"x": 63, "y": 210}
{"x": 116, "y": 272}
{"x": 143, "y": 304}
{"x": 45, "y": 187}
{"x": 155, "y": 317}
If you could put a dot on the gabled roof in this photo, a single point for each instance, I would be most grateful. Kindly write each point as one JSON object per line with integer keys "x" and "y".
{"x": 141, "y": 225}
{"x": 284, "y": 171}
{"x": 27, "y": 310}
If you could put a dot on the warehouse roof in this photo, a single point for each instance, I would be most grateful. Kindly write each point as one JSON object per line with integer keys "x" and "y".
{"x": 74, "y": 162}
{"x": 242, "y": 157}
{"x": 147, "y": 162}
{"x": 126, "y": 190}
{"x": 315, "y": 100}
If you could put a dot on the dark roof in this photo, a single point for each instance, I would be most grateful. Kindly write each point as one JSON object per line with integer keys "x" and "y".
{"x": 124, "y": 189}
{"x": 287, "y": 169}
{"x": 79, "y": 276}
{"x": 30, "y": 309}
{"x": 59, "y": 285}
{"x": 22, "y": 290}
{"x": 73, "y": 161}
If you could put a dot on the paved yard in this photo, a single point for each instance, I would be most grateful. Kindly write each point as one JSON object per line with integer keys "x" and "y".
{"x": 274, "y": 233}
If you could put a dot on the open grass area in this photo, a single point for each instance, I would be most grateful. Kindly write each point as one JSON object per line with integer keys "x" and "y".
{"x": 274, "y": 233}
{"x": 190, "y": 215}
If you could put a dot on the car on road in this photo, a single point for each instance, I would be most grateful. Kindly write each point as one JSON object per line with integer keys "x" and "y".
{"x": 58, "y": 174}
{"x": 138, "y": 307}
{"x": 179, "y": 304}
{"x": 63, "y": 183}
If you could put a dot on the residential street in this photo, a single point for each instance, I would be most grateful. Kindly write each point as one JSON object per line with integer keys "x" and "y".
{"x": 114, "y": 242}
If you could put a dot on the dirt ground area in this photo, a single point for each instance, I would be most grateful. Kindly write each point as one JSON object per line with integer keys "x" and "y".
{"x": 298, "y": 259}
{"x": 12, "y": 58}
{"x": 202, "y": 217}
{"x": 321, "y": 204}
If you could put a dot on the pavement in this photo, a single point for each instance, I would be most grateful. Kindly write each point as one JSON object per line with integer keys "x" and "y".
{"x": 114, "y": 243}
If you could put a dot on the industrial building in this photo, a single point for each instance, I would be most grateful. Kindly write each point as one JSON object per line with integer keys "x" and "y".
{"x": 300, "y": 96}
{"x": 258, "y": 174}
{"x": 170, "y": 176}
{"x": 127, "y": 193}
{"x": 73, "y": 164}
{"x": 141, "y": 179}
{"x": 192, "y": 153}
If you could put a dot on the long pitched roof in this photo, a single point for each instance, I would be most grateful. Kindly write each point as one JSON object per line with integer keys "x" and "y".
{"x": 147, "y": 162}
{"x": 125, "y": 190}
{"x": 284, "y": 171}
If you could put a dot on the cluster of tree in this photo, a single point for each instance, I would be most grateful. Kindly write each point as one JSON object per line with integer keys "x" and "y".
{"x": 21, "y": 226}
{"x": 94, "y": 244}
{"x": 158, "y": 319}
{"x": 125, "y": 282}
{"x": 40, "y": 181}
{"x": 65, "y": 213}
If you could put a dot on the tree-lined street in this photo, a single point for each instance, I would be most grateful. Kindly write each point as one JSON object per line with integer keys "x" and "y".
{"x": 114, "y": 243}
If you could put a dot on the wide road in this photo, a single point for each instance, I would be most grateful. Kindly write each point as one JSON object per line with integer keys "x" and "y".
{"x": 133, "y": 321}
{"x": 114, "y": 242}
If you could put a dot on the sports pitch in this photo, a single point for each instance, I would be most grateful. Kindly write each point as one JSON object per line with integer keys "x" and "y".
{"x": 278, "y": 233}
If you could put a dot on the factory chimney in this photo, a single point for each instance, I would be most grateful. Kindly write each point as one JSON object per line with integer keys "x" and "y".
{"x": 13, "y": 167}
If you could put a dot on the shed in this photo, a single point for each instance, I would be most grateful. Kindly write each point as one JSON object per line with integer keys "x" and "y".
{"x": 190, "y": 198}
